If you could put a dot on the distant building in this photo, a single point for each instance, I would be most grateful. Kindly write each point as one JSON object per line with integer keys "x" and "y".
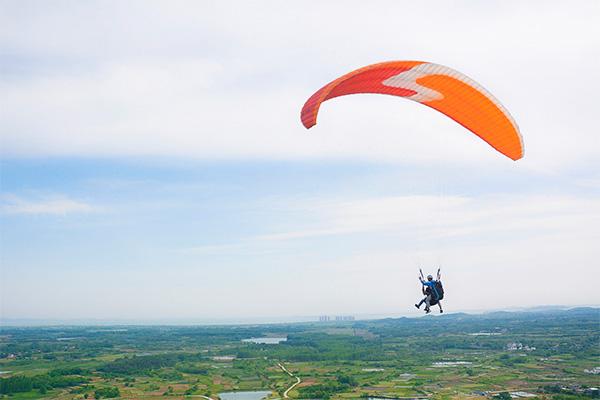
{"x": 518, "y": 346}
{"x": 327, "y": 318}
{"x": 224, "y": 358}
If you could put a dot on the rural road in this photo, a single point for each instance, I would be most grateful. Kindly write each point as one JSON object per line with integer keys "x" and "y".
{"x": 285, "y": 394}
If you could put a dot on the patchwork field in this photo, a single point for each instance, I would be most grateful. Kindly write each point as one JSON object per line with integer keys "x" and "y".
{"x": 553, "y": 355}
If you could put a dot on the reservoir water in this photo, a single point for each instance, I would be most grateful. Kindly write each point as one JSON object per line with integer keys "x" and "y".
{"x": 254, "y": 395}
{"x": 265, "y": 340}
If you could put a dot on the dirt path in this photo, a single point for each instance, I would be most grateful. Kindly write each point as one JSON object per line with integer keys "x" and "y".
{"x": 285, "y": 394}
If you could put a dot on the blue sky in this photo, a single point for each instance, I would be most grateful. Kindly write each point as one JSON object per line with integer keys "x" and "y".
{"x": 153, "y": 165}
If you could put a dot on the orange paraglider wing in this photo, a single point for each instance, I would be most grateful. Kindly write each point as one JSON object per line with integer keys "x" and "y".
{"x": 436, "y": 86}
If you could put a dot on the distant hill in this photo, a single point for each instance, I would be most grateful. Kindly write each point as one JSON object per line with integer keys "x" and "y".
{"x": 534, "y": 313}
{"x": 499, "y": 321}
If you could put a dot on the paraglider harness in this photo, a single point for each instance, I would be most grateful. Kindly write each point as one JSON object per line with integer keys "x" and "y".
{"x": 438, "y": 289}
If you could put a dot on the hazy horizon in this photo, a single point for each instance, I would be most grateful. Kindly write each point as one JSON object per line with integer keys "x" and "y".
{"x": 264, "y": 320}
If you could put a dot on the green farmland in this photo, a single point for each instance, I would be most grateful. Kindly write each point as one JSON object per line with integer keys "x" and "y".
{"x": 552, "y": 355}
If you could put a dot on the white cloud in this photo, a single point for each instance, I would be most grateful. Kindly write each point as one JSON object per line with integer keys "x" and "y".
{"x": 450, "y": 216}
{"x": 55, "y": 205}
{"x": 354, "y": 256}
{"x": 195, "y": 80}
{"x": 589, "y": 183}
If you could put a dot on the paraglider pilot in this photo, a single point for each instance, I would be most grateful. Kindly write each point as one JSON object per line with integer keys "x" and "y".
{"x": 432, "y": 289}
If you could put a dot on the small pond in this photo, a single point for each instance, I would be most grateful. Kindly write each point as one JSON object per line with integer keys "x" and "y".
{"x": 265, "y": 340}
{"x": 254, "y": 395}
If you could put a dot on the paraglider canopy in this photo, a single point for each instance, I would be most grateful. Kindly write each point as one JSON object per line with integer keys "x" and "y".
{"x": 436, "y": 86}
